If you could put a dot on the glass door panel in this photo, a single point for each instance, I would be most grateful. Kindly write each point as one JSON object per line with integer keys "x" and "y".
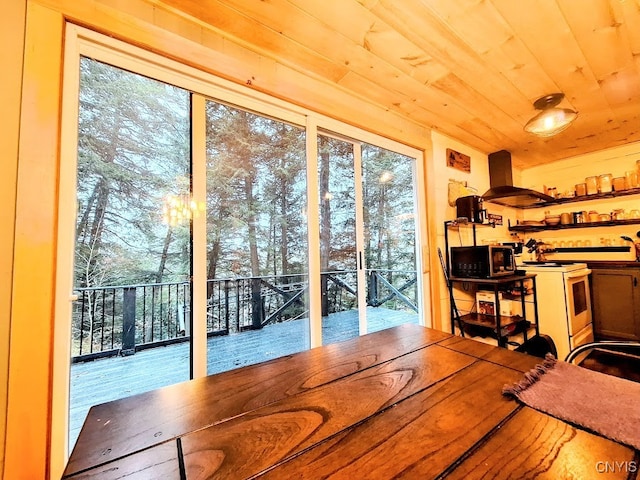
{"x": 132, "y": 262}
{"x": 338, "y": 246}
{"x": 257, "y": 280}
{"x": 390, "y": 238}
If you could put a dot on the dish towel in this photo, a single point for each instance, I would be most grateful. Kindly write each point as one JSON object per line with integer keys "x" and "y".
{"x": 601, "y": 403}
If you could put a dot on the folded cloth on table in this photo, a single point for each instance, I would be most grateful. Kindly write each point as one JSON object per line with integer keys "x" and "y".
{"x": 601, "y": 403}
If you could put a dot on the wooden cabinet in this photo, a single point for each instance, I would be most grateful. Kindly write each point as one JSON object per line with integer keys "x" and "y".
{"x": 616, "y": 303}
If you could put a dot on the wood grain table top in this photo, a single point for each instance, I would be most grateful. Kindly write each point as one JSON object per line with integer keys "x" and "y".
{"x": 408, "y": 402}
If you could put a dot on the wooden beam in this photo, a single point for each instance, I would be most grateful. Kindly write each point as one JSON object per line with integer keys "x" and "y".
{"x": 11, "y": 59}
{"x": 27, "y": 440}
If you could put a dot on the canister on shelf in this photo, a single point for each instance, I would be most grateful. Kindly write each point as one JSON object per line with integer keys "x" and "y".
{"x": 604, "y": 183}
{"x": 632, "y": 178}
{"x": 566, "y": 218}
{"x": 619, "y": 184}
{"x": 581, "y": 189}
{"x": 592, "y": 185}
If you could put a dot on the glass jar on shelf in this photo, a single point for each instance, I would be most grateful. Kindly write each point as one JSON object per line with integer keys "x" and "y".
{"x": 592, "y": 185}
{"x": 605, "y": 184}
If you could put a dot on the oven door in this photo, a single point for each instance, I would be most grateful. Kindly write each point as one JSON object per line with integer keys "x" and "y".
{"x": 578, "y": 300}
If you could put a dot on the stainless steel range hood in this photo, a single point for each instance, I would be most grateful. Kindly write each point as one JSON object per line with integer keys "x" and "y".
{"x": 502, "y": 190}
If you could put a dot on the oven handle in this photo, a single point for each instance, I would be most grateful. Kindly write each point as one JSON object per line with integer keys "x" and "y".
{"x": 578, "y": 273}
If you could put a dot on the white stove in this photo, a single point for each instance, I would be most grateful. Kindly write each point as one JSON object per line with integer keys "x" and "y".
{"x": 564, "y": 303}
{"x": 531, "y": 267}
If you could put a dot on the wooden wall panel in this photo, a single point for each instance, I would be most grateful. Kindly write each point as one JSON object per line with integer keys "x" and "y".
{"x": 32, "y": 301}
{"x": 12, "y": 26}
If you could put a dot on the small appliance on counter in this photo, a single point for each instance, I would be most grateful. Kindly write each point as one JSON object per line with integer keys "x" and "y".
{"x": 483, "y": 261}
{"x": 470, "y": 208}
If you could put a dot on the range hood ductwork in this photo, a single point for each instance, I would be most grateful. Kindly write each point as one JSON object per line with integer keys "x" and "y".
{"x": 502, "y": 190}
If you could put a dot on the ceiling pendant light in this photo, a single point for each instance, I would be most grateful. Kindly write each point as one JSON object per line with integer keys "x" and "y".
{"x": 551, "y": 120}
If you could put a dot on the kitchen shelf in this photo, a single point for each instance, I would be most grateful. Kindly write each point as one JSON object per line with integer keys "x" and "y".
{"x": 592, "y": 249}
{"x": 508, "y": 325}
{"x": 539, "y": 228}
{"x": 584, "y": 198}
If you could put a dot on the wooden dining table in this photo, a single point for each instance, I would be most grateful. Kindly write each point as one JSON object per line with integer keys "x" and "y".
{"x": 407, "y": 402}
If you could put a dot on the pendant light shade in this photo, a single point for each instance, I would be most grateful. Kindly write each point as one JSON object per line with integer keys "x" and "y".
{"x": 551, "y": 120}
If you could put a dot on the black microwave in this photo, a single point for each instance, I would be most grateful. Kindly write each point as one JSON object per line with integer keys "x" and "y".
{"x": 484, "y": 261}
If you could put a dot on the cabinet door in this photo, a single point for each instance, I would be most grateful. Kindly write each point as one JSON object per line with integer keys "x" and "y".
{"x": 616, "y": 303}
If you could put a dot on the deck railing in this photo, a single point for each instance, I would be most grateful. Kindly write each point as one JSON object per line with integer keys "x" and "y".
{"x": 122, "y": 319}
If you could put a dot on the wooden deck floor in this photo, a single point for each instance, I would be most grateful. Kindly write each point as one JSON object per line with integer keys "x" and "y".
{"x": 112, "y": 378}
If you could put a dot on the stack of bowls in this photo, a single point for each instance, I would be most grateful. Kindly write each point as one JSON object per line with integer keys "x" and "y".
{"x": 552, "y": 219}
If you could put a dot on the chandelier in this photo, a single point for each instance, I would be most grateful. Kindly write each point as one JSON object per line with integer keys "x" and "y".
{"x": 179, "y": 209}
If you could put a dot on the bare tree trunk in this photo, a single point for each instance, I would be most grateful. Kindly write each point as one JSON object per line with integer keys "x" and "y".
{"x": 251, "y": 221}
{"x": 284, "y": 234}
{"x": 325, "y": 222}
{"x": 213, "y": 256}
{"x": 97, "y": 225}
{"x": 165, "y": 252}
{"x": 381, "y": 224}
{"x": 84, "y": 220}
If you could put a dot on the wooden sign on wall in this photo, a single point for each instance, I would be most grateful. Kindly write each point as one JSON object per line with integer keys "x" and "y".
{"x": 458, "y": 160}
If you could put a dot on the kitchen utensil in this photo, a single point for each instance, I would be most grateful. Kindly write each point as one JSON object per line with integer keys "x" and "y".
{"x": 581, "y": 189}
{"x": 470, "y": 207}
{"x": 631, "y": 177}
{"x": 531, "y": 244}
{"x": 628, "y": 239}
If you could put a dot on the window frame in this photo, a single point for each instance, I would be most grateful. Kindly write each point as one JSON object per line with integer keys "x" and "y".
{"x": 80, "y": 41}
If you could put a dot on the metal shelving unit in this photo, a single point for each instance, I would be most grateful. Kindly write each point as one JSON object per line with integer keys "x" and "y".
{"x": 496, "y": 326}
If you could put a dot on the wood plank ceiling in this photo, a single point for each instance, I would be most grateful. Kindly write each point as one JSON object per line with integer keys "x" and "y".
{"x": 470, "y": 69}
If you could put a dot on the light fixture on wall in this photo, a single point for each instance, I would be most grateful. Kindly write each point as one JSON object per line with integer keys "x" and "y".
{"x": 551, "y": 120}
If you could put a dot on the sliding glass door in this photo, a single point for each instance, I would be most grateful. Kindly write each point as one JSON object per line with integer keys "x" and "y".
{"x": 390, "y": 226}
{"x": 257, "y": 276}
{"x": 132, "y": 260}
{"x": 193, "y": 219}
{"x": 367, "y": 238}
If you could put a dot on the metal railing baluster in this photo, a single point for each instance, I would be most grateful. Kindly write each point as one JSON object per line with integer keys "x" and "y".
{"x": 234, "y": 305}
